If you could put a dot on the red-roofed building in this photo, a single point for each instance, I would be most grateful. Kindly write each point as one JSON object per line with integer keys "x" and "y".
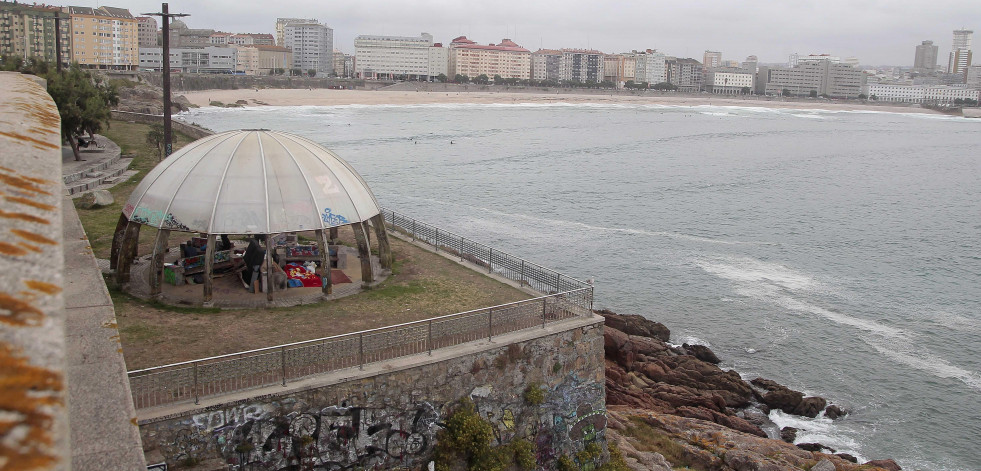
{"x": 506, "y": 59}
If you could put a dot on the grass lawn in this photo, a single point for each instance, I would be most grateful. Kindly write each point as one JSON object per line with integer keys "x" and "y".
{"x": 422, "y": 285}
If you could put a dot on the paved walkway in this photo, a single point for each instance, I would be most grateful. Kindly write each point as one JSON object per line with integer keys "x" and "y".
{"x": 104, "y": 432}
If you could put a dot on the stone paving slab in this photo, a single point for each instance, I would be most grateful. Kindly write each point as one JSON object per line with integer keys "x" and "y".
{"x": 104, "y": 434}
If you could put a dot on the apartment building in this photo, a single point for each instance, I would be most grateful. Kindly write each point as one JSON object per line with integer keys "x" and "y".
{"x": 281, "y": 27}
{"x": 545, "y": 65}
{"x": 824, "y": 77}
{"x": 581, "y": 65}
{"x": 312, "y": 45}
{"x": 712, "y": 59}
{"x": 204, "y": 60}
{"x": 262, "y": 59}
{"x": 650, "y": 67}
{"x": 925, "y": 59}
{"x": 686, "y": 74}
{"x": 619, "y": 68}
{"x": 182, "y": 36}
{"x": 506, "y": 59}
{"x": 29, "y": 31}
{"x": 146, "y": 31}
{"x": 387, "y": 57}
{"x": 104, "y": 37}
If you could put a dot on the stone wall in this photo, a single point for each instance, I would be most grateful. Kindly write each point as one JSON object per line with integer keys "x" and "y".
{"x": 34, "y": 418}
{"x": 191, "y": 130}
{"x": 391, "y": 419}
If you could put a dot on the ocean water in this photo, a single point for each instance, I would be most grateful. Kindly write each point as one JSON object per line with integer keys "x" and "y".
{"x": 838, "y": 253}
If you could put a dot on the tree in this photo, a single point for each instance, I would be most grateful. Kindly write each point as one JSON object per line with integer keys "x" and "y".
{"x": 312, "y": 72}
{"x": 482, "y": 79}
{"x": 744, "y": 90}
{"x": 155, "y": 138}
{"x": 813, "y": 94}
{"x": 296, "y": 72}
{"x": 441, "y": 78}
{"x": 862, "y": 96}
{"x": 873, "y": 98}
{"x": 82, "y": 104}
{"x": 498, "y": 80}
{"x": 461, "y": 79}
{"x": 785, "y": 92}
{"x": 665, "y": 86}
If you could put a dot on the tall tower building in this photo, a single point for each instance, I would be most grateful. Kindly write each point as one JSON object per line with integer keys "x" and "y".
{"x": 960, "y": 52}
{"x": 312, "y": 45}
{"x": 926, "y": 57}
{"x": 712, "y": 59}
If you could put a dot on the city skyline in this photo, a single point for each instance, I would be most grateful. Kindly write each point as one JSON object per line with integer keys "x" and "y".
{"x": 771, "y": 30}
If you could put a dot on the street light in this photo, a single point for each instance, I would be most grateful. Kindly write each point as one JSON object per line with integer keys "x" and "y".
{"x": 165, "y": 15}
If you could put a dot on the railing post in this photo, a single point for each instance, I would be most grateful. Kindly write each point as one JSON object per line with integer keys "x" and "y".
{"x": 196, "y": 398}
{"x": 361, "y": 350}
{"x": 544, "y": 304}
{"x": 437, "y": 239}
{"x": 522, "y": 273}
{"x": 490, "y": 258}
{"x": 462, "y": 247}
{"x": 490, "y": 324}
{"x": 558, "y": 279}
{"x": 413, "y": 230}
{"x": 429, "y": 340}
{"x": 282, "y": 356}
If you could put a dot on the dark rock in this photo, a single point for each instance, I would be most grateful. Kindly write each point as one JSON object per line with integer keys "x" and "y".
{"x": 729, "y": 421}
{"x": 833, "y": 412}
{"x": 754, "y": 417}
{"x": 847, "y": 457}
{"x": 784, "y": 399}
{"x": 632, "y": 324}
{"x": 702, "y": 353}
{"x": 810, "y": 406}
{"x": 815, "y": 447}
{"x": 885, "y": 464}
{"x": 788, "y": 434}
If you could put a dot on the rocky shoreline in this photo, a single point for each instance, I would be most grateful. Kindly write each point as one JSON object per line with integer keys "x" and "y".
{"x": 672, "y": 406}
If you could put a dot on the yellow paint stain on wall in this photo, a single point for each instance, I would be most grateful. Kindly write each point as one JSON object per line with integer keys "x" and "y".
{"x": 44, "y": 287}
{"x": 19, "y": 313}
{"x": 27, "y": 394}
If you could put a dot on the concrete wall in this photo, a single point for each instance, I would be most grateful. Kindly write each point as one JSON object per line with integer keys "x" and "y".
{"x": 33, "y": 402}
{"x": 390, "y": 417}
{"x": 191, "y": 130}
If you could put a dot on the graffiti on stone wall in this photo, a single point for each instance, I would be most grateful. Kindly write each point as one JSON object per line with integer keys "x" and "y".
{"x": 333, "y": 438}
{"x": 572, "y": 416}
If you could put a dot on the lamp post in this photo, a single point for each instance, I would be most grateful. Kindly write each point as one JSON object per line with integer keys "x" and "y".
{"x": 165, "y": 16}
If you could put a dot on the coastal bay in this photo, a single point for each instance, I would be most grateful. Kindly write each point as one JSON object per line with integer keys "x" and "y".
{"x": 832, "y": 251}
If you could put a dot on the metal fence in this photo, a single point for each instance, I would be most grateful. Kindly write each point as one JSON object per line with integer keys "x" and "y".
{"x": 191, "y": 380}
{"x": 537, "y": 277}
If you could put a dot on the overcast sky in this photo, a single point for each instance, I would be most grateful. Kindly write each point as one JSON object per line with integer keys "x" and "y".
{"x": 877, "y": 32}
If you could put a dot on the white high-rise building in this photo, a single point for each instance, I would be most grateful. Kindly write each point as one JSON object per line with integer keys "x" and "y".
{"x": 960, "y": 52}
{"x": 651, "y": 67}
{"x": 414, "y": 57}
{"x": 312, "y": 45}
{"x": 281, "y": 27}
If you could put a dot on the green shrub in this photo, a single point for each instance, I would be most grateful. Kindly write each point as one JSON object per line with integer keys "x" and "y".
{"x": 467, "y": 437}
{"x": 534, "y": 394}
{"x": 566, "y": 464}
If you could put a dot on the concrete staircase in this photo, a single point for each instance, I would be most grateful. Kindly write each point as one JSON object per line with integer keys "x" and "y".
{"x": 106, "y": 167}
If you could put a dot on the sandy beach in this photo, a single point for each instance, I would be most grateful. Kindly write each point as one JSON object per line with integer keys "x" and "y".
{"x": 325, "y": 97}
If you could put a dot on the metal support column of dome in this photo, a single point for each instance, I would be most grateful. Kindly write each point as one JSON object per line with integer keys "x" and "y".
{"x": 247, "y": 182}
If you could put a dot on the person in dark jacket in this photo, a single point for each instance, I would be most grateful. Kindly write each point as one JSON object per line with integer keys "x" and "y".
{"x": 254, "y": 255}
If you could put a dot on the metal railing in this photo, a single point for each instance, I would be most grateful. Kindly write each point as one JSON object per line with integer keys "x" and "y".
{"x": 539, "y": 278}
{"x": 191, "y": 380}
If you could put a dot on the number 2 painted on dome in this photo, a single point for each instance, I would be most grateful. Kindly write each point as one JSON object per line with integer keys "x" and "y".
{"x": 328, "y": 184}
